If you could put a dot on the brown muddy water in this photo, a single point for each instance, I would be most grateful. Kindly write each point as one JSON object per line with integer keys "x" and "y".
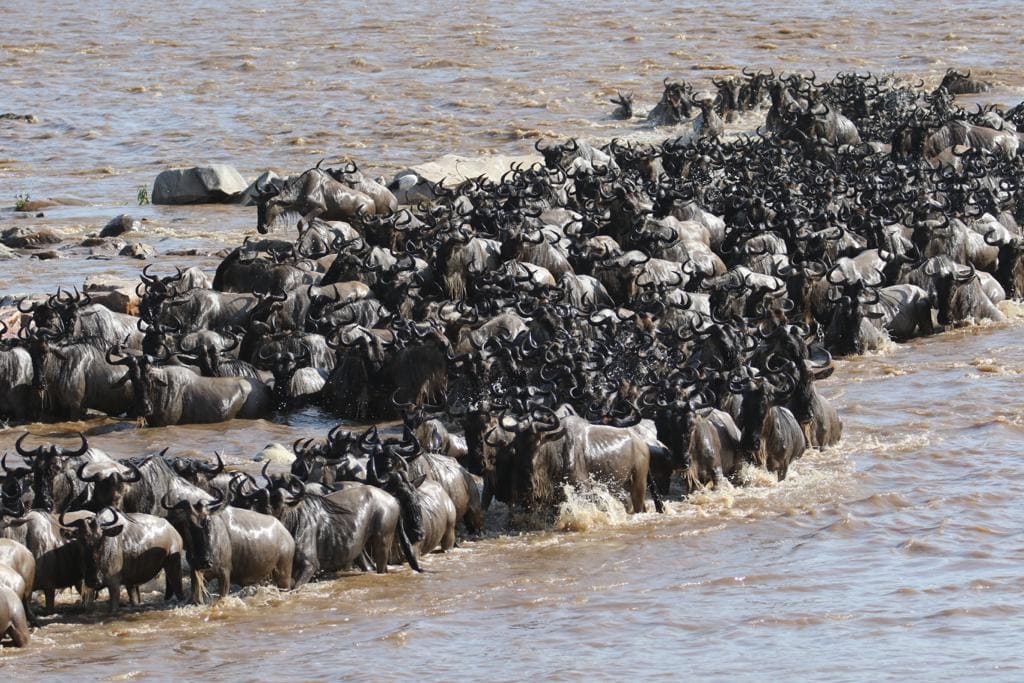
{"x": 897, "y": 553}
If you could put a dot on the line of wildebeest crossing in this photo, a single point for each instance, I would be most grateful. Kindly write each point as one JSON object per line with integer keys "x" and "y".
{"x": 618, "y": 314}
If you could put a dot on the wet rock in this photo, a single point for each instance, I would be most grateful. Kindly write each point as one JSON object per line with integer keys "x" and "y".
{"x": 7, "y": 254}
{"x": 213, "y": 184}
{"x": 117, "y": 294}
{"x": 248, "y": 197}
{"x": 416, "y": 183}
{"x": 275, "y": 453}
{"x": 120, "y": 225}
{"x": 28, "y": 238}
{"x": 138, "y": 250}
{"x": 48, "y": 255}
{"x": 186, "y": 252}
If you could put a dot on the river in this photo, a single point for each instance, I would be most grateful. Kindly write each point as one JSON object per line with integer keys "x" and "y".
{"x": 893, "y": 555}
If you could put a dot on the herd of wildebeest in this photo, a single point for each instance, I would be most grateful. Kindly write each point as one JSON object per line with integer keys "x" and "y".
{"x": 617, "y": 314}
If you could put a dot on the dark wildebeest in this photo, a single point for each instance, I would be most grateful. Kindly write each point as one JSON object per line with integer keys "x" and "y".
{"x": 232, "y": 545}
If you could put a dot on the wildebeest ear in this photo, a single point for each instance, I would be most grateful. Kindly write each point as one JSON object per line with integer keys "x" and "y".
{"x": 419, "y": 480}
{"x": 59, "y": 354}
{"x": 124, "y": 378}
{"x": 161, "y": 381}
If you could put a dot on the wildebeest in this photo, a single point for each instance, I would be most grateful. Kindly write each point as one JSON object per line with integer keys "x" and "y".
{"x": 171, "y": 395}
{"x": 570, "y": 450}
{"x": 772, "y": 437}
{"x": 332, "y": 532}
{"x": 232, "y": 545}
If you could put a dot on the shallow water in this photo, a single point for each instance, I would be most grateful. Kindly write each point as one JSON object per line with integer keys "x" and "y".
{"x": 895, "y": 553}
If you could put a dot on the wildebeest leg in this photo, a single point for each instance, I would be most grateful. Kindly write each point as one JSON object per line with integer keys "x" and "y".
{"x": 224, "y": 583}
{"x": 448, "y": 540}
{"x": 379, "y": 547}
{"x": 172, "y": 578}
{"x": 486, "y": 496}
{"x": 809, "y": 433}
{"x": 115, "y": 595}
{"x": 638, "y": 491}
{"x": 29, "y": 614}
{"x": 198, "y": 588}
{"x": 363, "y": 561}
{"x": 134, "y": 595}
{"x": 283, "y": 573}
{"x": 307, "y": 569}
{"x": 51, "y": 598}
{"x": 653, "y": 486}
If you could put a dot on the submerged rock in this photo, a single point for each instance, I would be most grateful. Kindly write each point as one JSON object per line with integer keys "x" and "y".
{"x": 138, "y": 250}
{"x": 27, "y": 238}
{"x": 213, "y": 184}
{"x": 120, "y": 225}
{"x": 275, "y": 453}
{"x": 26, "y": 118}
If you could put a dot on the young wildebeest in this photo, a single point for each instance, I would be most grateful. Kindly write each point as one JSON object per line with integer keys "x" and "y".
{"x": 128, "y": 550}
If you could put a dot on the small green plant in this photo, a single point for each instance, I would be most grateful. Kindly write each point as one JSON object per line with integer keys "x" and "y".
{"x": 21, "y": 201}
{"x": 143, "y": 195}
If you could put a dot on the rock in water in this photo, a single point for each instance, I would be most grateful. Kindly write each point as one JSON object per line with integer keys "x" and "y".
{"x": 213, "y": 184}
{"x": 138, "y": 250}
{"x": 117, "y": 294}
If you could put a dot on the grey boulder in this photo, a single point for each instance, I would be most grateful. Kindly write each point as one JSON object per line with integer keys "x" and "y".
{"x": 213, "y": 184}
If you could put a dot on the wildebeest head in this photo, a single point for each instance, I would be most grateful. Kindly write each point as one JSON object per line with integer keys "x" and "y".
{"x": 268, "y": 205}
{"x": 757, "y": 394}
{"x": 624, "y": 106}
{"x": 192, "y": 520}
{"x": 195, "y": 471}
{"x": 102, "y": 554}
{"x": 946, "y": 275}
{"x": 284, "y": 365}
{"x": 15, "y": 488}
{"x": 387, "y": 467}
{"x": 531, "y": 476}
{"x": 45, "y": 462}
{"x": 38, "y": 344}
{"x": 555, "y": 155}
{"x": 109, "y": 482}
{"x": 140, "y": 374}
